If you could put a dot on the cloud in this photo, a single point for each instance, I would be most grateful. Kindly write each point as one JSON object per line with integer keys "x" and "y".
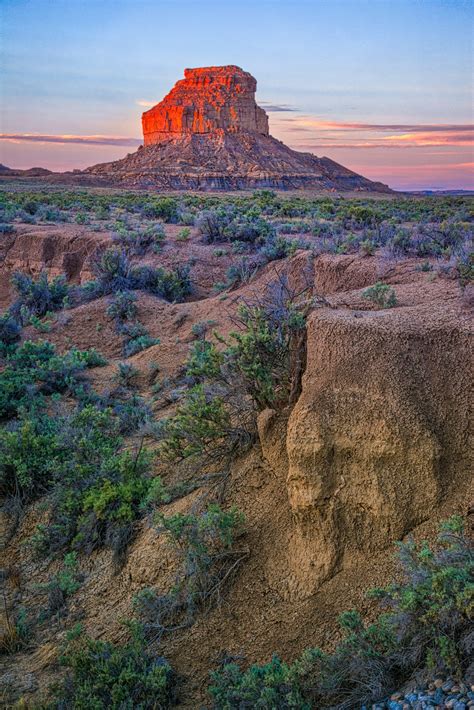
{"x": 82, "y": 140}
{"x": 276, "y": 108}
{"x": 309, "y": 122}
{"x": 144, "y": 103}
{"x": 342, "y": 134}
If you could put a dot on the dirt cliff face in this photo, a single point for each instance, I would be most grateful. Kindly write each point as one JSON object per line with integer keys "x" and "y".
{"x": 55, "y": 249}
{"x": 380, "y": 435}
{"x": 207, "y": 100}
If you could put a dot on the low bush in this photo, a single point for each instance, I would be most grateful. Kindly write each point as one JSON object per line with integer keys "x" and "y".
{"x": 105, "y": 676}
{"x": 165, "y": 208}
{"x": 94, "y": 488}
{"x": 205, "y": 545}
{"x": 10, "y": 330}
{"x": 183, "y": 234}
{"x": 37, "y": 298}
{"x": 141, "y": 342}
{"x": 200, "y": 428}
{"x": 123, "y": 307}
{"x": 34, "y": 370}
{"x": 382, "y": 295}
{"x": 63, "y": 584}
{"x": 114, "y": 272}
{"x": 140, "y": 241}
{"x": 271, "y": 685}
{"x": 269, "y": 344}
{"x": 212, "y": 224}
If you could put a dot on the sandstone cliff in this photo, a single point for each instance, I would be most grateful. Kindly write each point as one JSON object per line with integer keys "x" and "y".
{"x": 207, "y": 100}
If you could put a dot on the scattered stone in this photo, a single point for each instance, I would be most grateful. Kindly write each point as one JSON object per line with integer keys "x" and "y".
{"x": 436, "y": 694}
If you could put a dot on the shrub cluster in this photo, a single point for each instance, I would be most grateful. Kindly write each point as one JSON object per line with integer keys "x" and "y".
{"x": 37, "y": 298}
{"x": 102, "y": 675}
{"x": 139, "y": 241}
{"x": 382, "y": 295}
{"x": 114, "y": 272}
{"x": 123, "y": 309}
{"x": 95, "y": 487}
{"x": 34, "y": 371}
{"x": 72, "y": 454}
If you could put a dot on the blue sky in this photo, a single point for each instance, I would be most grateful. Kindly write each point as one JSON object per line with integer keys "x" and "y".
{"x": 379, "y": 85}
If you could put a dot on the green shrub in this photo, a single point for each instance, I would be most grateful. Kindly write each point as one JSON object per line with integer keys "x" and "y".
{"x": 381, "y": 294}
{"x": 105, "y": 676}
{"x": 262, "y": 351}
{"x": 63, "y": 584}
{"x": 165, "y": 208}
{"x": 34, "y": 370}
{"x": 272, "y": 685}
{"x": 123, "y": 307}
{"x": 183, "y": 234}
{"x": 140, "y": 241}
{"x": 141, "y": 342}
{"x": 433, "y": 608}
{"x": 205, "y": 361}
{"x": 37, "y": 298}
{"x": 95, "y": 489}
{"x": 10, "y": 330}
{"x": 26, "y": 453}
{"x": 199, "y": 428}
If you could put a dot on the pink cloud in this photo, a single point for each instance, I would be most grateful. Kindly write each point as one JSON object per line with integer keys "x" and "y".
{"x": 83, "y": 140}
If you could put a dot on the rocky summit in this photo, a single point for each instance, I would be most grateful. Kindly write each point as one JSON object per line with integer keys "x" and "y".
{"x": 209, "y": 133}
{"x": 208, "y": 100}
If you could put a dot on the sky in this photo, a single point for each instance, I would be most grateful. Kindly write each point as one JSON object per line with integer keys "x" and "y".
{"x": 382, "y": 86}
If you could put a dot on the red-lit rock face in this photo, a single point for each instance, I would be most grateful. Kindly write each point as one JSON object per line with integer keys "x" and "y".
{"x": 207, "y": 100}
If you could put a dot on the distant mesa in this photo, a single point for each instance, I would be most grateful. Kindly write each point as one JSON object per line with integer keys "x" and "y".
{"x": 209, "y": 134}
{"x": 29, "y": 172}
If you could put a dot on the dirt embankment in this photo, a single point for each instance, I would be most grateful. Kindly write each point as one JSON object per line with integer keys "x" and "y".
{"x": 377, "y": 445}
{"x": 58, "y": 249}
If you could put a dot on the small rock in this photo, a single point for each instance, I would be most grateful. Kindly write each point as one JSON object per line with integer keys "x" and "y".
{"x": 438, "y": 682}
{"x": 438, "y": 697}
